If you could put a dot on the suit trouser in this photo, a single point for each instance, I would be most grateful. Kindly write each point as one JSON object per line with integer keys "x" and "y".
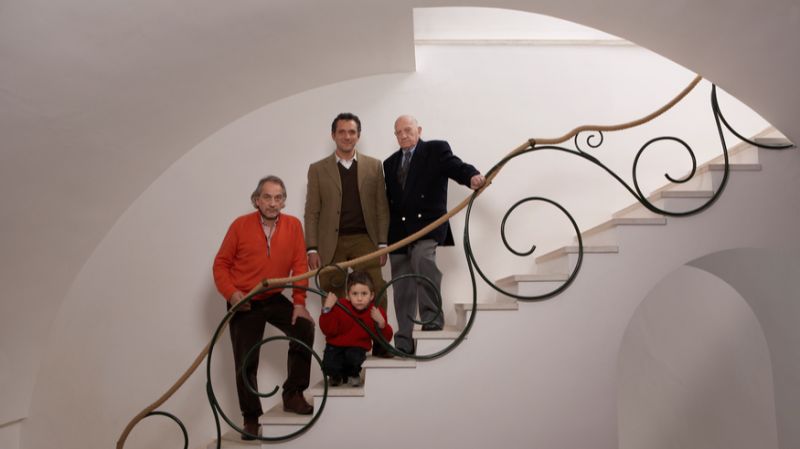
{"x": 349, "y": 247}
{"x": 409, "y": 293}
{"x": 247, "y": 330}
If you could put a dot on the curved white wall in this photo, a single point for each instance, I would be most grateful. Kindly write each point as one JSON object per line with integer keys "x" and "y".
{"x": 768, "y": 280}
{"x": 695, "y": 369}
{"x": 144, "y": 304}
{"x": 96, "y": 102}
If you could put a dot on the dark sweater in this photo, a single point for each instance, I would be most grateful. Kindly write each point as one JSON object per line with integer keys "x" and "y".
{"x": 351, "y": 220}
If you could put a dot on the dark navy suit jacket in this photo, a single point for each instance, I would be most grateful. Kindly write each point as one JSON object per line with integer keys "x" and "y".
{"x": 424, "y": 198}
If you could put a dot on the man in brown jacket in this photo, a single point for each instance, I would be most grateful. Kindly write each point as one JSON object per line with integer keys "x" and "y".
{"x": 347, "y": 214}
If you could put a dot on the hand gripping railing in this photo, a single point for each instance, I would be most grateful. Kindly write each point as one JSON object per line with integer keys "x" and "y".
{"x": 529, "y": 146}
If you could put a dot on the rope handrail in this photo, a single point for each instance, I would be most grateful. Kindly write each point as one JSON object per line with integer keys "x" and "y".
{"x": 266, "y": 283}
{"x": 531, "y": 142}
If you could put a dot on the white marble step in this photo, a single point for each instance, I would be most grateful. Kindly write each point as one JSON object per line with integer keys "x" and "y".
{"x": 462, "y": 308}
{"x": 275, "y": 416}
{"x": 396, "y": 362}
{"x": 530, "y": 284}
{"x": 775, "y": 139}
{"x": 232, "y": 440}
{"x": 605, "y": 234}
{"x": 448, "y": 333}
{"x": 339, "y": 391}
{"x": 564, "y": 259}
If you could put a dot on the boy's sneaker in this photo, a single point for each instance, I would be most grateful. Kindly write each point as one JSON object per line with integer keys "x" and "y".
{"x": 335, "y": 381}
{"x": 354, "y": 381}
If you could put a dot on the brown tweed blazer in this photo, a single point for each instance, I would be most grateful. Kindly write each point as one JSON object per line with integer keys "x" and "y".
{"x": 324, "y": 199}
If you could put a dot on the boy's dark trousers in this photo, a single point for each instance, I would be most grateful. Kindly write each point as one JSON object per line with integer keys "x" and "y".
{"x": 343, "y": 361}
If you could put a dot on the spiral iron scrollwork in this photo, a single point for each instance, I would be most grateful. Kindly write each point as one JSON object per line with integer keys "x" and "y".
{"x": 176, "y": 420}
{"x": 593, "y": 140}
{"x": 217, "y": 410}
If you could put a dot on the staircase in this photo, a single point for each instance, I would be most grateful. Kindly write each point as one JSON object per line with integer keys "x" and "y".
{"x": 543, "y": 374}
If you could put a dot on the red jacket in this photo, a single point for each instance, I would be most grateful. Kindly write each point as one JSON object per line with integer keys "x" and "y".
{"x": 341, "y": 330}
{"x": 244, "y": 260}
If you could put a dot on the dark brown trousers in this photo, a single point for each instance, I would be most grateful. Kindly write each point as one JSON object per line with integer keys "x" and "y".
{"x": 247, "y": 330}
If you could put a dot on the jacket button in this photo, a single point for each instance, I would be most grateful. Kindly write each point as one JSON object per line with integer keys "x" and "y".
{"x": 422, "y": 196}
{"x": 403, "y": 218}
{"x": 419, "y": 215}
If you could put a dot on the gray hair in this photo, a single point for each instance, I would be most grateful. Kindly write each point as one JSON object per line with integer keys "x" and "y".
{"x": 257, "y": 192}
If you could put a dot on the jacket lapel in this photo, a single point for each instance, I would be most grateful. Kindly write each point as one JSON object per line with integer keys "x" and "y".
{"x": 362, "y": 175}
{"x": 332, "y": 171}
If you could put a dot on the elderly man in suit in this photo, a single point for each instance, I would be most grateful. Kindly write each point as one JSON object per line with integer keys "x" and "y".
{"x": 416, "y": 185}
{"x": 346, "y": 213}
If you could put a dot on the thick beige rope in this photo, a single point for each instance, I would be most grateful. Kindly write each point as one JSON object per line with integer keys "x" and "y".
{"x": 266, "y": 283}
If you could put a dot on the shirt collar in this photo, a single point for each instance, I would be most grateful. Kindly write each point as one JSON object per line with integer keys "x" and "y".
{"x": 410, "y": 150}
{"x": 348, "y": 161}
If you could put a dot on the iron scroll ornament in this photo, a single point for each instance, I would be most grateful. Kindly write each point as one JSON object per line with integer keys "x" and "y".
{"x": 593, "y": 141}
{"x": 215, "y": 407}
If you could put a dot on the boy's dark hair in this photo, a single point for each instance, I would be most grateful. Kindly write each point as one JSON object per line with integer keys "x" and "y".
{"x": 360, "y": 277}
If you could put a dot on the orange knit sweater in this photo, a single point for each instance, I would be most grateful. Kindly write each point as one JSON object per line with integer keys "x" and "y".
{"x": 244, "y": 259}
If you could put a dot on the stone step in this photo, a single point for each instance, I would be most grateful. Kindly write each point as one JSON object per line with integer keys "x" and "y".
{"x": 339, "y": 391}
{"x": 449, "y": 332}
{"x": 395, "y": 362}
{"x": 462, "y": 308}
{"x": 232, "y": 440}
{"x": 530, "y": 284}
{"x": 275, "y": 416}
{"x": 605, "y": 234}
{"x": 564, "y": 259}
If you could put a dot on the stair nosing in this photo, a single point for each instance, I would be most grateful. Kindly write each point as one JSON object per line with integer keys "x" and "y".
{"x": 574, "y": 249}
{"x": 625, "y": 221}
{"x": 497, "y": 305}
{"x": 448, "y": 333}
{"x": 337, "y": 392}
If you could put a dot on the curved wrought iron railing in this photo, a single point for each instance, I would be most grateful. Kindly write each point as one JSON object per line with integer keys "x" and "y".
{"x": 594, "y": 140}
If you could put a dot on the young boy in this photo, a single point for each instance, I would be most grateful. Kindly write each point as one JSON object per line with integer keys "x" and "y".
{"x": 347, "y": 342}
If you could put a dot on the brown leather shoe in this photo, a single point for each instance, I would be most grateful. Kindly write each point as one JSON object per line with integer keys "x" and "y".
{"x": 250, "y": 426}
{"x": 296, "y": 403}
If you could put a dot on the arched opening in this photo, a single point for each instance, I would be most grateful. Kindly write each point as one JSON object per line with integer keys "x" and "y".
{"x": 695, "y": 369}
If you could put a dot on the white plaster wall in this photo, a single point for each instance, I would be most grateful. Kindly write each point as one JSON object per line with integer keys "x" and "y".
{"x": 695, "y": 369}
{"x": 493, "y": 23}
{"x": 96, "y": 95}
{"x": 768, "y": 280}
{"x": 10, "y": 435}
{"x": 144, "y": 304}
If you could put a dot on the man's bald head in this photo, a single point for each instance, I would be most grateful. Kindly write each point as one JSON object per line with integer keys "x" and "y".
{"x": 407, "y": 131}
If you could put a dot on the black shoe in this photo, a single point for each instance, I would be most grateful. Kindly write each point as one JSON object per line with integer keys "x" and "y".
{"x": 334, "y": 381}
{"x": 413, "y": 350}
{"x": 431, "y": 327}
{"x": 381, "y": 352}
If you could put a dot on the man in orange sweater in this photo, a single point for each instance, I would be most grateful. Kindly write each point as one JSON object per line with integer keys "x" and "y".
{"x": 259, "y": 245}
